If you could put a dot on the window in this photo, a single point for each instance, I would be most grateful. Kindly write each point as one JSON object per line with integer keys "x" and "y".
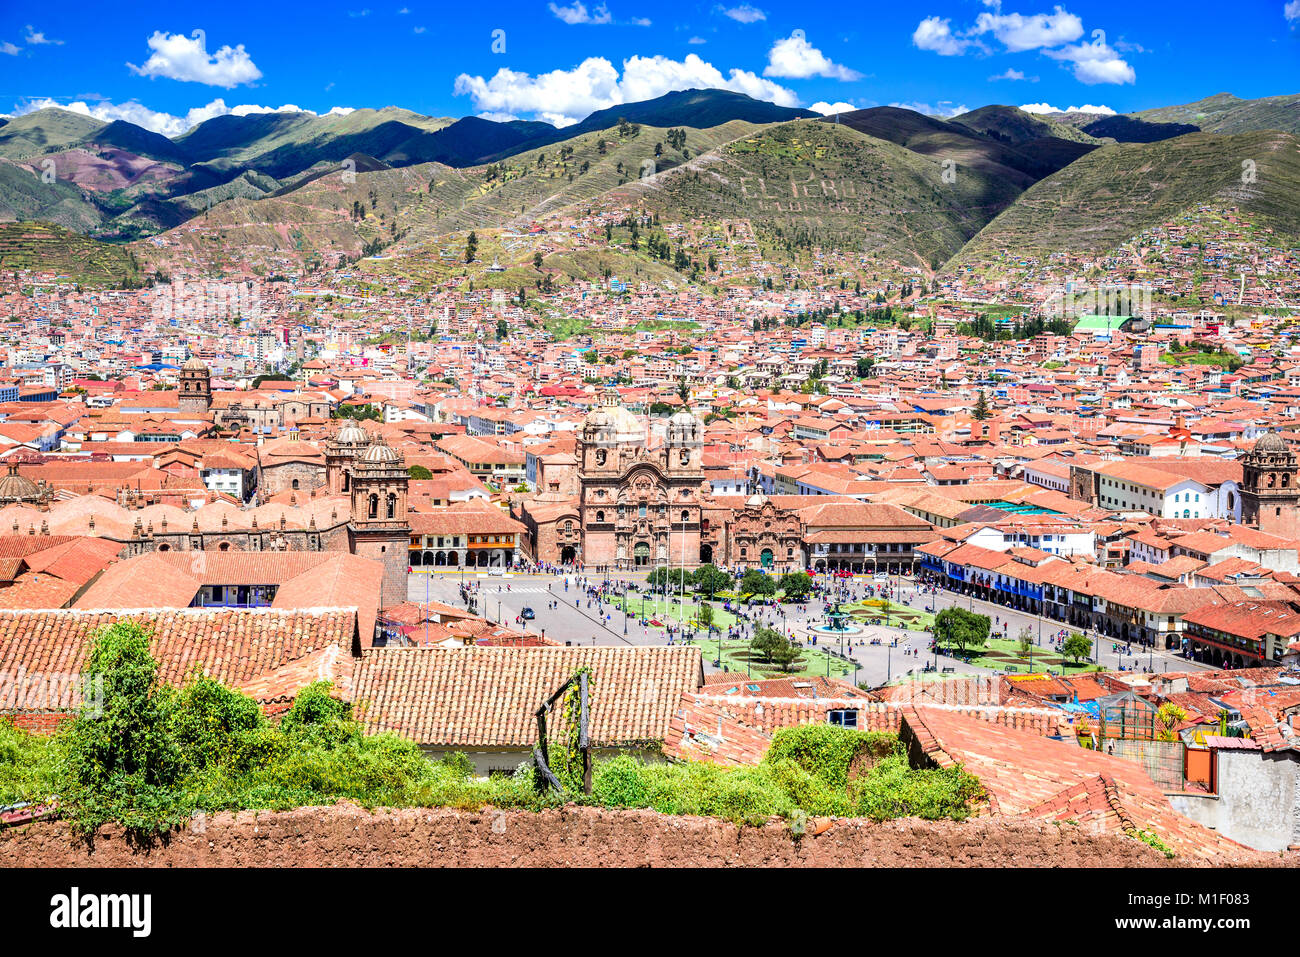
{"x": 295, "y": 483}
{"x": 686, "y": 516}
{"x": 640, "y": 510}
{"x": 843, "y": 719}
{"x": 600, "y": 516}
{"x": 374, "y": 506}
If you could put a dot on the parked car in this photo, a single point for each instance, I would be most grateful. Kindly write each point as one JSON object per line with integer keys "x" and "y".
{"x": 528, "y": 614}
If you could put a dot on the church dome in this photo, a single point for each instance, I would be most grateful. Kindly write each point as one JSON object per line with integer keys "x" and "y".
{"x": 615, "y": 423}
{"x": 757, "y": 500}
{"x": 194, "y": 364}
{"x": 380, "y": 454}
{"x": 1272, "y": 442}
{"x": 353, "y": 434}
{"x": 17, "y": 488}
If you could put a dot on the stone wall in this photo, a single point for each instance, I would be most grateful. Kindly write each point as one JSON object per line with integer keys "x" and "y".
{"x": 573, "y": 836}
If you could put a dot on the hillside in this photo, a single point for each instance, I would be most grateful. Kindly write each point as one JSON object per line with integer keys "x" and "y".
{"x": 1021, "y": 163}
{"x": 1010, "y": 124}
{"x": 1225, "y": 113}
{"x": 810, "y": 183}
{"x": 45, "y": 131}
{"x": 1118, "y": 190}
{"x": 58, "y": 252}
{"x": 407, "y": 207}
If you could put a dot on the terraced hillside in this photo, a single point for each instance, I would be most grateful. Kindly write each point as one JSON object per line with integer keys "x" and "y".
{"x": 811, "y": 183}
{"x": 1116, "y": 191}
{"x": 336, "y": 215}
{"x": 1225, "y": 113}
{"x": 57, "y": 252}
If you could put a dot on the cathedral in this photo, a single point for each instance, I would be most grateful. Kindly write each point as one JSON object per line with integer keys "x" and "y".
{"x": 637, "y": 506}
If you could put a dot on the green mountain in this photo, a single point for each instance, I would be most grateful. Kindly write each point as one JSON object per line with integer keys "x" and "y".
{"x": 1225, "y": 113}
{"x": 810, "y": 183}
{"x": 1010, "y": 124}
{"x": 700, "y": 109}
{"x": 1116, "y": 191}
{"x": 45, "y": 131}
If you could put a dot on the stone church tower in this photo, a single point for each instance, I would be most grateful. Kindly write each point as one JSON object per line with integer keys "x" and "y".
{"x": 1270, "y": 493}
{"x": 379, "y": 528}
{"x": 341, "y": 453}
{"x": 196, "y": 387}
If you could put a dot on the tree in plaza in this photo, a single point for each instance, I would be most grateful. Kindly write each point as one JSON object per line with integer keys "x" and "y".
{"x": 965, "y": 629}
{"x": 1077, "y": 647}
{"x": 705, "y": 616}
{"x": 756, "y": 583}
{"x": 1026, "y": 641}
{"x": 885, "y": 608}
{"x": 795, "y": 586}
{"x": 671, "y": 578}
{"x": 774, "y": 647}
{"x": 710, "y": 579}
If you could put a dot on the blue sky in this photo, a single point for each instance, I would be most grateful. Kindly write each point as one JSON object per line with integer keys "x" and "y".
{"x": 559, "y": 61}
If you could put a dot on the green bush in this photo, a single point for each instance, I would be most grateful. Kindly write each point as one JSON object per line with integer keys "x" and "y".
{"x": 155, "y": 755}
{"x": 891, "y": 789}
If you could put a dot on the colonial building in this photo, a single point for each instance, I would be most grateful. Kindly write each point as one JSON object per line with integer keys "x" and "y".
{"x": 1270, "y": 492}
{"x": 369, "y": 519}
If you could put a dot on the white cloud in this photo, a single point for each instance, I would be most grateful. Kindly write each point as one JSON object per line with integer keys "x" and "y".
{"x": 9, "y": 48}
{"x": 566, "y": 96}
{"x": 696, "y": 41}
{"x": 36, "y": 39}
{"x": 498, "y": 117}
{"x": 830, "y": 109}
{"x": 578, "y": 13}
{"x": 165, "y": 123}
{"x": 1010, "y": 74}
{"x": 945, "y": 108}
{"x": 184, "y": 58}
{"x": 1048, "y": 108}
{"x": 1017, "y": 32}
{"x": 419, "y": 29}
{"x": 1095, "y": 62}
{"x": 935, "y": 34}
{"x": 796, "y": 58}
{"x": 1049, "y": 33}
{"x": 744, "y": 13}
{"x": 1292, "y": 11}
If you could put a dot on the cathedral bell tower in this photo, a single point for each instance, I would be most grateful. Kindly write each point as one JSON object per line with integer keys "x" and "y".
{"x": 196, "y": 387}
{"x": 379, "y": 528}
{"x": 1270, "y": 495}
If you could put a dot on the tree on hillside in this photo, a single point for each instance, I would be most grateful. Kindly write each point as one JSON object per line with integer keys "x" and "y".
{"x": 965, "y": 629}
{"x": 471, "y": 246}
{"x": 981, "y": 411}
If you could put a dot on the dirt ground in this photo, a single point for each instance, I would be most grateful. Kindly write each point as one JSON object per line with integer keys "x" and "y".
{"x": 347, "y": 836}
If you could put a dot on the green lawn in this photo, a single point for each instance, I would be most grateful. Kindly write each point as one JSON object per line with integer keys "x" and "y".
{"x": 1007, "y": 658}
{"x": 736, "y": 656}
{"x": 668, "y": 611}
{"x": 900, "y": 616}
